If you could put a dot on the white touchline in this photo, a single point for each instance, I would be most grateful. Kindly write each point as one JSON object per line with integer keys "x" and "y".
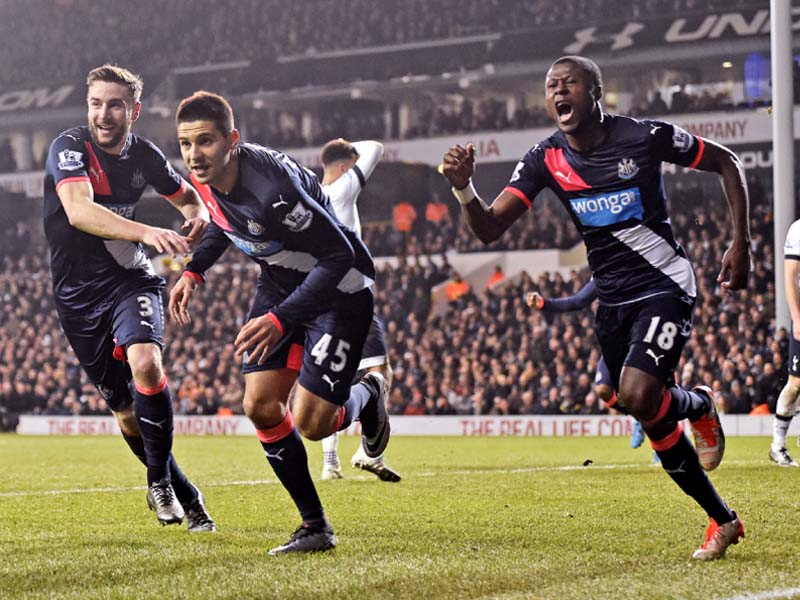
{"x": 26, "y": 493}
{"x": 768, "y": 595}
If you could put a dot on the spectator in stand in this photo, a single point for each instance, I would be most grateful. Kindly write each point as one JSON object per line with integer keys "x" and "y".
{"x": 496, "y": 278}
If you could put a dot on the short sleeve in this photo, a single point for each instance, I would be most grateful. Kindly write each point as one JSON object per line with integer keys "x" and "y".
{"x": 161, "y": 175}
{"x": 528, "y": 178}
{"x": 68, "y": 160}
{"x": 673, "y": 144}
{"x": 791, "y": 248}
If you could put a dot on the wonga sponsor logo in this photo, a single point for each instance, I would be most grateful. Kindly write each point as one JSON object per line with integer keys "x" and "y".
{"x": 606, "y": 209}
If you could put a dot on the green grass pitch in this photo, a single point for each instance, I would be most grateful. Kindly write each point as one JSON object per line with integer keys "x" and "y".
{"x": 472, "y": 518}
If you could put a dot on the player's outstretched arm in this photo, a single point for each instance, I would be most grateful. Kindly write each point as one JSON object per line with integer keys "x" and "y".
{"x": 179, "y": 297}
{"x": 736, "y": 260}
{"x": 194, "y": 211}
{"x": 83, "y": 213}
{"x": 487, "y": 223}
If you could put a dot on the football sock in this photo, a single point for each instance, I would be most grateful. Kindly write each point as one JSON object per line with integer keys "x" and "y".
{"x": 180, "y": 483}
{"x": 678, "y": 404}
{"x": 360, "y": 394}
{"x": 679, "y": 460}
{"x": 784, "y": 411}
{"x": 153, "y": 408}
{"x": 780, "y": 427}
{"x": 287, "y": 457}
{"x": 330, "y": 446}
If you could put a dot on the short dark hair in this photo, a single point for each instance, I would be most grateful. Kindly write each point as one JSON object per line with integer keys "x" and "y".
{"x": 114, "y": 74}
{"x": 337, "y": 150}
{"x": 206, "y": 106}
{"x": 587, "y": 64}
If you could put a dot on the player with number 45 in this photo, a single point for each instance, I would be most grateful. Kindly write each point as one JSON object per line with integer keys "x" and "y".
{"x": 313, "y": 306}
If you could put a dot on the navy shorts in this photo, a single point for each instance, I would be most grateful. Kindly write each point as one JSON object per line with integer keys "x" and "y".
{"x": 603, "y": 376}
{"x": 137, "y": 317}
{"x": 326, "y": 350}
{"x": 374, "y": 352}
{"x": 794, "y": 354}
{"x": 648, "y": 335}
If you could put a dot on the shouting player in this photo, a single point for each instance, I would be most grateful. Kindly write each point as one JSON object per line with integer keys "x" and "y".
{"x": 606, "y": 170}
{"x": 313, "y": 304}
{"x": 107, "y": 295}
{"x": 347, "y": 166}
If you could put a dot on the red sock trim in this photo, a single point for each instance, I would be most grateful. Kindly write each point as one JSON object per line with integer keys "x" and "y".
{"x": 277, "y": 433}
{"x": 669, "y": 441}
{"x": 662, "y": 410}
{"x": 153, "y": 390}
{"x": 339, "y": 420}
{"x": 612, "y": 402}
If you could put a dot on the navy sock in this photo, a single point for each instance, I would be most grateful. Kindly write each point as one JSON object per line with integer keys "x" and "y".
{"x": 360, "y": 394}
{"x": 184, "y": 490}
{"x": 681, "y": 463}
{"x": 686, "y": 404}
{"x": 136, "y": 444}
{"x": 287, "y": 457}
{"x": 153, "y": 410}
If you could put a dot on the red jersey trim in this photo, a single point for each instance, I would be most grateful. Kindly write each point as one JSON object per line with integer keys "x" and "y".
{"x": 562, "y": 171}
{"x": 72, "y": 180}
{"x": 178, "y": 193}
{"x": 700, "y": 150}
{"x": 207, "y": 196}
{"x": 191, "y": 275}
{"x": 518, "y": 194}
{"x": 275, "y": 321}
{"x": 97, "y": 175}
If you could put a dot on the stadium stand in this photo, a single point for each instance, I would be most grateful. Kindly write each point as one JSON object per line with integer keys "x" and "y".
{"x": 545, "y": 367}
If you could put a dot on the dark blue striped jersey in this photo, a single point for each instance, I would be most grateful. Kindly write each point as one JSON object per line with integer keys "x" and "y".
{"x": 88, "y": 270}
{"x": 278, "y": 215}
{"x": 615, "y": 195}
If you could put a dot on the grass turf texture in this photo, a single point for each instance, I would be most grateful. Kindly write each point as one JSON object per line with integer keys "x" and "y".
{"x": 473, "y": 518}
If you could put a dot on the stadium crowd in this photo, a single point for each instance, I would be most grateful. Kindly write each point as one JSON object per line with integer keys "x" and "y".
{"x": 88, "y": 31}
{"x": 509, "y": 359}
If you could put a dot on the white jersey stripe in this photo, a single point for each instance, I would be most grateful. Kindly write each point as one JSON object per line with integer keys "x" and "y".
{"x": 353, "y": 281}
{"x": 661, "y": 255}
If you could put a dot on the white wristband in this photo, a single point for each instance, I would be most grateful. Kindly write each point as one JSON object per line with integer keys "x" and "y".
{"x": 466, "y": 195}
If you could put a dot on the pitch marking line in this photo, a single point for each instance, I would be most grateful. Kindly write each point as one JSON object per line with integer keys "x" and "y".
{"x": 25, "y": 494}
{"x": 770, "y": 595}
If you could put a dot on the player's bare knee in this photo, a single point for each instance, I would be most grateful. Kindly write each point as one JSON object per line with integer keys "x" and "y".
{"x": 145, "y": 364}
{"x": 263, "y": 412}
{"x": 312, "y": 429}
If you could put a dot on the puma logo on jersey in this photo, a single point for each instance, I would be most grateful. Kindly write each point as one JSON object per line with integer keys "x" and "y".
{"x": 277, "y": 455}
{"x": 566, "y": 177}
{"x": 327, "y": 380}
{"x": 159, "y": 424}
{"x": 656, "y": 357}
{"x": 150, "y": 325}
{"x": 654, "y": 129}
{"x": 95, "y": 174}
{"x": 794, "y": 363}
{"x": 280, "y": 202}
